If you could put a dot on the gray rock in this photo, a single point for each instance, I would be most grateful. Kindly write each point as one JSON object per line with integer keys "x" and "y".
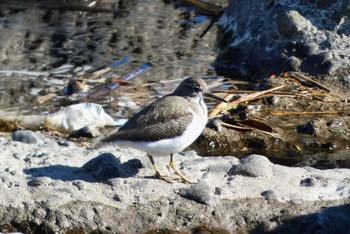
{"x": 269, "y": 195}
{"x": 223, "y": 167}
{"x": 30, "y": 137}
{"x": 313, "y": 181}
{"x": 320, "y": 222}
{"x": 260, "y": 38}
{"x": 53, "y": 187}
{"x": 253, "y": 165}
{"x": 198, "y": 192}
{"x": 308, "y": 182}
{"x": 66, "y": 143}
{"x": 106, "y": 166}
{"x": 45, "y": 228}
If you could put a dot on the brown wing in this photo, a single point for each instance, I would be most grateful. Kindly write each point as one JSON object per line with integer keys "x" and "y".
{"x": 164, "y": 118}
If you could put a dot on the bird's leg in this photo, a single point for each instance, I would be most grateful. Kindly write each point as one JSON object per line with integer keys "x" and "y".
{"x": 158, "y": 175}
{"x": 177, "y": 171}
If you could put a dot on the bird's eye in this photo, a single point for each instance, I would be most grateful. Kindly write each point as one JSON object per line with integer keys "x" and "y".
{"x": 197, "y": 88}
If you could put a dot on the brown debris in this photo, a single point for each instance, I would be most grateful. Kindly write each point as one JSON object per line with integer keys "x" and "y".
{"x": 304, "y": 79}
{"x": 249, "y": 97}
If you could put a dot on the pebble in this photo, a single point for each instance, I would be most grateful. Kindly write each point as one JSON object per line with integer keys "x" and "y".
{"x": 308, "y": 182}
{"x": 66, "y": 143}
{"x": 313, "y": 181}
{"x": 253, "y": 165}
{"x": 269, "y": 195}
{"x": 29, "y": 137}
{"x": 106, "y": 166}
{"x": 198, "y": 192}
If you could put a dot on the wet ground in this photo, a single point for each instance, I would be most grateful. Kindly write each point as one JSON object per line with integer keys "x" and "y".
{"x": 307, "y": 130}
{"x": 44, "y": 45}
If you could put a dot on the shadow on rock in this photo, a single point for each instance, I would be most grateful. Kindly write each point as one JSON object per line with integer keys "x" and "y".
{"x": 106, "y": 166}
{"x": 60, "y": 172}
{"x": 329, "y": 220}
{"x": 100, "y": 169}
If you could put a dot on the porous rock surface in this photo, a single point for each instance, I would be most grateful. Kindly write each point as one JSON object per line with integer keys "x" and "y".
{"x": 261, "y": 38}
{"x": 63, "y": 187}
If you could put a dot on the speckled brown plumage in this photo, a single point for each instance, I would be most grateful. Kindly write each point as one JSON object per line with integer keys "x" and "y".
{"x": 164, "y": 118}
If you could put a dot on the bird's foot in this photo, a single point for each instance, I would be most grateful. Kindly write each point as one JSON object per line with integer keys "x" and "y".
{"x": 185, "y": 180}
{"x": 178, "y": 172}
{"x": 164, "y": 177}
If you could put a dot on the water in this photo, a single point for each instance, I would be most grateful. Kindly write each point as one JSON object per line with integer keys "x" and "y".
{"x": 43, "y": 49}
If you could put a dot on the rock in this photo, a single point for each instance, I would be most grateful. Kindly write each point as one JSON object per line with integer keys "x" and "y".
{"x": 260, "y": 38}
{"x": 313, "y": 181}
{"x": 29, "y": 137}
{"x": 65, "y": 143}
{"x": 307, "y": 128}
{"x": 319, "y": 222}
{"x": 67, "y": 188}
{"x": 308, "y": 182}
{"x": 269, "y": 195}
{"x": 106, "y": 166}
{"x": 45, "y": 228}
{"x": 198, "y": 192}
{"x": 253, "y": 165}
{"x": 316, "y": 126}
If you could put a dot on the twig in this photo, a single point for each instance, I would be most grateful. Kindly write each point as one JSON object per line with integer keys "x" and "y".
{"x": 212, "y": 22}
{"x": 275, "y": 93}
{"x": 252, "y": 96}
{"x": 45, "y": 98}
{"x": 220, "y": 106}
{"x": 302, "y": 78}
{"x": 310, "y": 113}
{"x": 236, "y": 127}
{"x": 246, "y": 98}
{"x": 251, "y": 129}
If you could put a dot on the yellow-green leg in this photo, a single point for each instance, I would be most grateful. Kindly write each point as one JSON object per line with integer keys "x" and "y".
{"x": 177, "y": 171}
{"x": 158, "y": 175}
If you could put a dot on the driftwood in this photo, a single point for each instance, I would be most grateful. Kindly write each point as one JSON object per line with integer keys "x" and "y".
{"x": 249, "y": 97}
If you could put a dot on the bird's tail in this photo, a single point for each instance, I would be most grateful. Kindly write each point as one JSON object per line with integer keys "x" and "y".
{"x": 104, "y": 139}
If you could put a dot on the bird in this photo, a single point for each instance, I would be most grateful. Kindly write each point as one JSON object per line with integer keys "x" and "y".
{"x": 168, "y": 125}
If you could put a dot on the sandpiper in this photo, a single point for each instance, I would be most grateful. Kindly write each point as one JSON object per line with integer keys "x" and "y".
{"x": 168, "y": 125}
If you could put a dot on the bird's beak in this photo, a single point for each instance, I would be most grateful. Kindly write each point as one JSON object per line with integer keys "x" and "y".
{"x": 215, "y": 97}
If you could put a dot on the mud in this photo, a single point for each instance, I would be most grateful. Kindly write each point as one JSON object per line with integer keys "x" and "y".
{"x": 315, "y": 133}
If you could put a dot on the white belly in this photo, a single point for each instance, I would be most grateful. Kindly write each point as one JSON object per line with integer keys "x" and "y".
{"x": 173, "y": 145}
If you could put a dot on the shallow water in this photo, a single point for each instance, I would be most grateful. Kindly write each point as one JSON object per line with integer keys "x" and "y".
{"x": 43, "y": 49}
